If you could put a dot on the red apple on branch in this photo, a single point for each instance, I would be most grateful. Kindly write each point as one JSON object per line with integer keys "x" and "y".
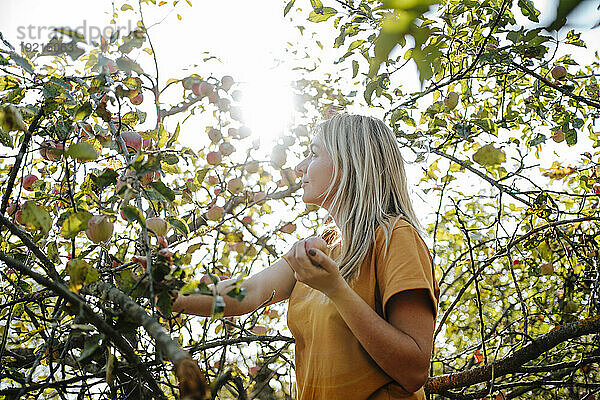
{"x": 214, "y": 158}
{"x": 133, "y": 141}
{"x": 226, "y": 83}
{"x": 558, "y": 72}
{"x": 100, "y": 228}
{"x": 157, "y": 225}
{"x": 215, "y": 213}
{"x": 235, "y": 185}
{"x": 451, "y": 100}
{"x": 28, "y": 181}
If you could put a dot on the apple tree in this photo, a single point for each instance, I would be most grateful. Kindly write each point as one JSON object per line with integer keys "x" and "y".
{"x": 104, "y": 216}
{"x": 504, "y": 126}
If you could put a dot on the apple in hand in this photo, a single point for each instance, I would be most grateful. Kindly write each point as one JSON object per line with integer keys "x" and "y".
{"x": 316, "y": 242}
{"x": 100, "y": 228}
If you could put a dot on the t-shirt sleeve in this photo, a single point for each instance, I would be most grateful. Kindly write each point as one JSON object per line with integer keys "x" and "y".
{"x": 407, "y": 265}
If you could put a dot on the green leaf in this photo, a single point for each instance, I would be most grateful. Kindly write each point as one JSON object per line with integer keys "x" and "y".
{"x": 21, "y": 62}
{"x": 288, "y": 7}
{"x": 354, "y": 68}
{"x": 371, "y": 86}
{"x": 106, "y": 178}
{"x": 200, "y": 175}
{"x": 73, "y": 34}
{"x": 6, "y": 139}
{"x": 131, "y": 118}
{"x": 134, "y": 40}
{"x": 74, "y": 224}
{"x": 324, "y": 15}
{"x": 529, "y": 10}
{"x": 127, "y": 65}
{"x": 416, "y": 5}
{"x": 82, "y": 151}
{"x": 83, "y": 111}
{"x": 8, "y": 82}
{"x": 90, "y": 347}
{"x": 571, "y": 137}
{"x": 574, "y": 39}
{"x": 133, "y": 214}
{"x": 539, "y": 139}
{"x": 317, "y": 5}
{"x": 164, "y": 303}
{"x": 393, "y": 30}
{"x": 180, "y": 225}
{"x": 173, "y": 137}
{"x": 36, "y": 216}
{"x": 163, "y": 189}
{"x": 564, "y": 8}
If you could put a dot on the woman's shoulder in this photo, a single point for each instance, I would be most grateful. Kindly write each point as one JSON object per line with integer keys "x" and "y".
{"x": 400, "y": 224}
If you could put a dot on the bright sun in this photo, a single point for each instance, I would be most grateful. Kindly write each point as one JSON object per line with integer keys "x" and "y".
{"x": 267, "y": 105}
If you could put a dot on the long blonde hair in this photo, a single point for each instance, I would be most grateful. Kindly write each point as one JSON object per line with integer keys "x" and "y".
{"x": 371, "y": 185}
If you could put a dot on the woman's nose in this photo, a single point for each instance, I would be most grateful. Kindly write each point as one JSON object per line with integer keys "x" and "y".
{"x": 300, "y": 168}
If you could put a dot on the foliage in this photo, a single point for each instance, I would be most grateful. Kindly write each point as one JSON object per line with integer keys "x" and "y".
{"x": 516, "y": 251}
{"x": 513, "y": 175}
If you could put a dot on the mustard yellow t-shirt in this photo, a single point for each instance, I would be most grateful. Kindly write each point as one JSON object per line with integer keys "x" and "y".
{"x": 330, "y": 362}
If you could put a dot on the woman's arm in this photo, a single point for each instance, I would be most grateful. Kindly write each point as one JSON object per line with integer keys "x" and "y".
{"x": 402, "y": 347}
{"x": 278, "y": 277}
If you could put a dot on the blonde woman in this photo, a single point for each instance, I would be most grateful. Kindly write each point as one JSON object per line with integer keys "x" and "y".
{"x": 363, "y": 316}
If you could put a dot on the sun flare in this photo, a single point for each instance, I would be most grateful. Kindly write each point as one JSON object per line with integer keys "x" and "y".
{"x": 267, "y": 106}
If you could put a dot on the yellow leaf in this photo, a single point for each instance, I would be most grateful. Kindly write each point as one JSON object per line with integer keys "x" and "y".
{"x": 488, "y": 155}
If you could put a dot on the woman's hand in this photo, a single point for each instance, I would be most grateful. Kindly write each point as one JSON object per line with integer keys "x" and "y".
{"x": 313, "y": 267}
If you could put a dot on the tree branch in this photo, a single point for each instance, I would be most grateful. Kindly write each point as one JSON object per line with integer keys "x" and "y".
{"x": 114, "y": 336}
{"x": 512, "y": 363}
{"x": 192, "y": 382}
{"x": 12, "y": 176}
{"x": 561, "y": 89}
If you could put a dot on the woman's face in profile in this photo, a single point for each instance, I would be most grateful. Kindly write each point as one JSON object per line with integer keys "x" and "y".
{"x": 316, "y": 172}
